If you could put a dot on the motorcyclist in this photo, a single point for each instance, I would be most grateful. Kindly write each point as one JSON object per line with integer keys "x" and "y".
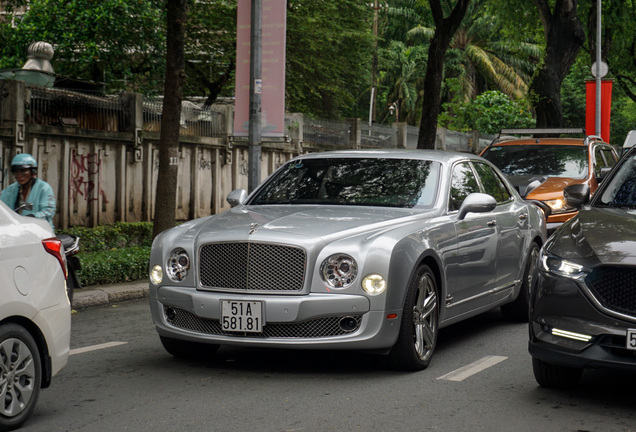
{"x": 29, "y": 189}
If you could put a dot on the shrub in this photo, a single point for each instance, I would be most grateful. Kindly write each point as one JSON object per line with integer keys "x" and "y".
{"x": 113, "y": 253}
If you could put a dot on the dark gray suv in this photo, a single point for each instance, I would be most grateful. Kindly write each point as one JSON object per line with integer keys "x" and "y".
{"x": 583, "y": 301}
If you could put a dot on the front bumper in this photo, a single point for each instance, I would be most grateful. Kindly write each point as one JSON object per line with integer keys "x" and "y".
{"x": 560, "y": 304}
{"x": 291, "y": 321}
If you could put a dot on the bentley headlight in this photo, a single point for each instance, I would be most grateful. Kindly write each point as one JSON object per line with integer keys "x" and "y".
{"x": 559, "y": 206}
{"x": 374, "y": 284}
{"x": 178, "y": 265}
{"x": 553, "y": 264}
{"x": 339, "y": 271}
{"x": 156, "y": 275}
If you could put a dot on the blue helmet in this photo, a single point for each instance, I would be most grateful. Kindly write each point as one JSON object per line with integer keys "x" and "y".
{"x": 23, "y": 160}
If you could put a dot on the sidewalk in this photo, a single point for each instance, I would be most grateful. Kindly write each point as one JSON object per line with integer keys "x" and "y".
{"x": 108, "y": 294}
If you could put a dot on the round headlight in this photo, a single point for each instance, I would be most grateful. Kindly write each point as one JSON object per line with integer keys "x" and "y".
{"x": 339, "y": 271}
{"x": 178, "y": 265}
{"x": 156, "y": 275}
{"x": 374, "y": 284}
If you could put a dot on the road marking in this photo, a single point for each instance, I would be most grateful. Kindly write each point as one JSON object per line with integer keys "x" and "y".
{"x": 95, "y": 347}
{"x": 473, "y": 368}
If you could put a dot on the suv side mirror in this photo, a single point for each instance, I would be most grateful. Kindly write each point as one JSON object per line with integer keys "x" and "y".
{"x": 603, "y": 173}
{"x": 577, "y": 195}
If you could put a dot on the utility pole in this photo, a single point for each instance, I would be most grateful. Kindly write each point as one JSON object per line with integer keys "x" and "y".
{"x": 256, "y": 87}
{"x": 374, "y": 63}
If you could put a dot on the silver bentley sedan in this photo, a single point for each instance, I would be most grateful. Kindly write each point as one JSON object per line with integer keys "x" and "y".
{"x": 356, "y": 250}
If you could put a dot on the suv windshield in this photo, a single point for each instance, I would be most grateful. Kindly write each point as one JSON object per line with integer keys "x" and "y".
{"x": 540, "y": 160}
{"x": 353, "y": 181}
{"x": 621, "y": 189}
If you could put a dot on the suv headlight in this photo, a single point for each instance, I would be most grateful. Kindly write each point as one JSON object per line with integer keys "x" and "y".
{"x": 339, "y": 271}
{"x": 559, "y": 206}
{"x": 555, "y": 265}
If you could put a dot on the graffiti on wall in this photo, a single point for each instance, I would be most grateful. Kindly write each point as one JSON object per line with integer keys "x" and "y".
{"x": 85, "y": 175}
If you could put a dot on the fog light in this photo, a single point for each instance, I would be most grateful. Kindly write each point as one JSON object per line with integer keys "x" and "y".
{"x": 348, "y": 324}
{"x": 170, "y": 314}
{"x": 373, "y": 284}
{"x": 571, "y": 335}
{"x": 156, "y": 275}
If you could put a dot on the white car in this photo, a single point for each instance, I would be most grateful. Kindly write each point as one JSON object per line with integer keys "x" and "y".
{"x": 35, "y": 314}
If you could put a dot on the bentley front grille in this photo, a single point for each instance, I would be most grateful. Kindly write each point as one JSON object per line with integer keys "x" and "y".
{"x": 252, "y": 266}
{"x": 314, "y": 328}
{"x": 615, "y": 288}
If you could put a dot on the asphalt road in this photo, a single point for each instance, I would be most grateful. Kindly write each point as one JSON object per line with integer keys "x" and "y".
{"x": 119, "y": 378}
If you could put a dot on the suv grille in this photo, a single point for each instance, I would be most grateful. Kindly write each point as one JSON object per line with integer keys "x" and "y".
{"x": 314, "y": 328}
{"x": 615, "y": 288}
{"x": 252, "y": 266}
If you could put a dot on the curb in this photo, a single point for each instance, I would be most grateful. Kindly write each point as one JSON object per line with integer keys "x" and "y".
{"x": 108, "y": 294}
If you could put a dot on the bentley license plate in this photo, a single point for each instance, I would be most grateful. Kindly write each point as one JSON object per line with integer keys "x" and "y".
{"x": 631, "y": 339}
{"x": 242, "y": 316}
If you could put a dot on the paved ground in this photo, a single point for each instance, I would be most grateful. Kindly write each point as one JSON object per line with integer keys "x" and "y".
{"x": 108, "y": 294}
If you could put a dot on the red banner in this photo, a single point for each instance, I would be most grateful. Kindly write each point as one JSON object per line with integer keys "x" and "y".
{"x": 590, "y": 108}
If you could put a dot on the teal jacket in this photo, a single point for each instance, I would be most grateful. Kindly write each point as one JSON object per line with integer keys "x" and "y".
{"x": 41, "y": 195}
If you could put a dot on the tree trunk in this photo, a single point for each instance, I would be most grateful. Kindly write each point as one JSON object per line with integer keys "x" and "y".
{"x": 445, "y": 29}
{"x": 564, "y": 38}
{"x": 166, "y": 192}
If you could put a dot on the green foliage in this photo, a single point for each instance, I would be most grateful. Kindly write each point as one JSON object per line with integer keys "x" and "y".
{"x": 489, "y": 112}
{"x": 113, "y": 253}
{"x": 114, "y": 266}
{"x": 117, "y": 235}
{"x": 118, "y": 42}
{"x": 329, "y": 52}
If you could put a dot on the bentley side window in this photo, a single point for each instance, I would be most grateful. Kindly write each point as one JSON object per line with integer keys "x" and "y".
{"x": 463, "y": 183}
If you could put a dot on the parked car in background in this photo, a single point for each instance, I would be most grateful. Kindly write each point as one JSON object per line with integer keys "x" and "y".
{"x": 35, "y": 314}
{"x": 540, "y": 168}
{"x": 364, "y": 250}
{"x": 583, "y": 306}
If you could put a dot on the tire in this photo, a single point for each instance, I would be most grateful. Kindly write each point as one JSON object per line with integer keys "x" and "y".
{"x": 20, "y": 376}
{"x": 519, "y": 308}
{"x": 185, "y": 349}
{"x": 420, "y": 324}
{"x": 554, "y": 376}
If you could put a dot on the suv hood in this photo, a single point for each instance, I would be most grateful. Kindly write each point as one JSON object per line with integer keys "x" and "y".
{"x": 541, "y": 187}
{"x": 598, "y": 235}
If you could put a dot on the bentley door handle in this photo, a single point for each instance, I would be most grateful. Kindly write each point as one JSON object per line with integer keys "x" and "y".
{"x": 491, "y": 223}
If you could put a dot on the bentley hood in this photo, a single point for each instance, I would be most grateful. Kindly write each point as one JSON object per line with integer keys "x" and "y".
{"x": 293, "y": 223}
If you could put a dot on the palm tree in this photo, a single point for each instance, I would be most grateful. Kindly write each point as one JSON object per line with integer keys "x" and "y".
{"x": 401, "y": 78}
{"x": 477, "y": 56}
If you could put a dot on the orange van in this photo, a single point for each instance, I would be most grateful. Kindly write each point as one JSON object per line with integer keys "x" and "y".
{"x": 540, "y": 168}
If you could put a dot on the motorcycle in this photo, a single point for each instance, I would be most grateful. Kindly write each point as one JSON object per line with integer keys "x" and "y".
{"x": 71, "y": 249}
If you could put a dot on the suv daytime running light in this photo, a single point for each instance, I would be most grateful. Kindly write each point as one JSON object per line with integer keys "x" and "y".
{"x": 571, "y": 335}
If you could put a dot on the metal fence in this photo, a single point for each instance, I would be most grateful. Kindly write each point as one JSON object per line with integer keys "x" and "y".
{"x": 324, "y": 132}
{"x": 57, "y": 107}
{"x": 196, "y": 120}
{"x": 378, "y": 136}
